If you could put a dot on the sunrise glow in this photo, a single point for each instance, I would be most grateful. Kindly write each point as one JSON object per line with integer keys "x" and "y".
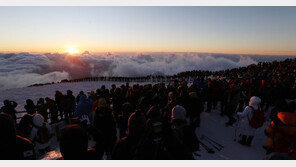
{"x": 230, "y": 30}
{"x": 72, "y": 50}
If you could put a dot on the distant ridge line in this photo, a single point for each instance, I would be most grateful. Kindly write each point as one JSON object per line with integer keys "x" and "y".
{"x": 154, "y": 78}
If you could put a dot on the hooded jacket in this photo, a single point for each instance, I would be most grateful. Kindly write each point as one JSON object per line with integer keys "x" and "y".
{"x": 178, "y": 113}
{"x": 38, "y": 124}
{"x": 12, "y": 146}
{"x": 84, "y": 107}
{"x": 281, "y": 137}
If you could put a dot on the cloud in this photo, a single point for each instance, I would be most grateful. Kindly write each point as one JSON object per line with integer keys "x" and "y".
{"x": 24, "y": 69}
{"x": 169, "y": 64}
{"x": 19, "y": 80}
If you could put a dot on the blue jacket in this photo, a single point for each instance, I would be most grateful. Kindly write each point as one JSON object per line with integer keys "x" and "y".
{"x": 84, "y": 107}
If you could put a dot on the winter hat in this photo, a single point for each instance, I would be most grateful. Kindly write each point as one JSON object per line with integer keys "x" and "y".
{"x": 41, "y": 100}
{"x": 193, "y": 95}
{"x": 82, "y": 97}
{"x": 38, "y": 120}
{"x": 73, "y": 143}
{"x": 102, "y": 103}
{"x": 136, "y": 124}
{"x": 92, "y": 93}
{"x": 117, "y": 91}
{"x": 178, "y": 112}
{"x": 255, "y": 102}
{"x": 6, "y": 102}
{"x": 171, "y": 95}
{"x": 69, "y": 92}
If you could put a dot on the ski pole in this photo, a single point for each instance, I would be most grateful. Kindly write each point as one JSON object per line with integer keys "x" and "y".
{"x": 218, "y": 149}
{"x": 204, "y": 136}
{"x": 209, "y": 150}
{"x": 217, "y": 146}
{"x": 235, "y": 130}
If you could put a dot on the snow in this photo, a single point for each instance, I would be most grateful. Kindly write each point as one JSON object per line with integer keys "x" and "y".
{"x": 212, "y": 124}
{"x": 21, "y": 94}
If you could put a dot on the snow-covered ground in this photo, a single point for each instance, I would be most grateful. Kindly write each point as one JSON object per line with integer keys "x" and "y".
{"x": 212, "y": 124}
{"x": 21, "y": 94}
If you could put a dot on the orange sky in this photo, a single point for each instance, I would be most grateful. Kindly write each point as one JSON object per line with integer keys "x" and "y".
{"x": 230, "y": 30}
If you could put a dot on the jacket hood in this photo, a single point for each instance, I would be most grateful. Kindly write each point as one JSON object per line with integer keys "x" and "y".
{"x": 102, "y": 103}
{"x": 287, "y": 118}
{"x": 255, "y": 102}
{"x": 136, "y": 125}
{"x": 178, "y": 113}
{"x": 83, "y": 98}
{"x": 38, "y": 120}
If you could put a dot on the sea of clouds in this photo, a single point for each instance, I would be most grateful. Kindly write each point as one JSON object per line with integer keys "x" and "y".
{"x": 23, "y": 69}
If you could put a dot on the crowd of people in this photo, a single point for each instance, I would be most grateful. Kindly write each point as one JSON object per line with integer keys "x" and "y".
{"x": 158, "y": 121}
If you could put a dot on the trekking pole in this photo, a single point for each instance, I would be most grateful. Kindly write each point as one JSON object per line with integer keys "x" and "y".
{"x": 196, "y": 154}
{"x": 235, "y": 130}
{"x": 208, "y": 149}
{"x": 218, "y": 149}
{"x": 211, "y": 140}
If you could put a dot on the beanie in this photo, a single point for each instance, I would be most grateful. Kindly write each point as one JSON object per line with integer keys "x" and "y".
{"x": 178, "y": 112}
{"x": 102, "y": 103}
{"x": 136, "y": 124}
{"x": 38, "y": 120}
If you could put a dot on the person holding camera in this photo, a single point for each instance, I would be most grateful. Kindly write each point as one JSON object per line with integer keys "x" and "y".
{"x": 9, "y": 108}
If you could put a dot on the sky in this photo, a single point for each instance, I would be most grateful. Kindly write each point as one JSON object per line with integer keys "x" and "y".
{"x": 231, "y": 30}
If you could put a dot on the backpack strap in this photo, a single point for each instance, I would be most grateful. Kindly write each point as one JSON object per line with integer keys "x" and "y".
{"x": 43, "y": 125}
{"x": 252, "y": 108}
{"x": 253, "y": 112}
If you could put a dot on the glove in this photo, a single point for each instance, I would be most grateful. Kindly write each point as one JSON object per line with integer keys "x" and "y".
{"x": 84, "y": 118}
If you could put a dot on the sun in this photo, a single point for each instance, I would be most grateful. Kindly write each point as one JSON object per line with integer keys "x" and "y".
{"x": 72, "y": 50}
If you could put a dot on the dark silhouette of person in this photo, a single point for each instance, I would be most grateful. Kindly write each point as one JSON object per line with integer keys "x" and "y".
{"x": 12, "y": 146}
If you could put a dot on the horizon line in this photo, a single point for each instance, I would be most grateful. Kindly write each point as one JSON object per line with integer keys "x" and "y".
{"x": 145, "y": 52}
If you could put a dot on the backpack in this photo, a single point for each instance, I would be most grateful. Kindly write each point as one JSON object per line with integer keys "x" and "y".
{"x": 257, "y": 119}
{"x": 43, "y": 135}
{"x": 187, "y": 137}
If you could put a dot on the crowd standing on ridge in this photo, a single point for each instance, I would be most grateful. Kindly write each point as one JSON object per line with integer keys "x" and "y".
{"x": 157, "y": 121}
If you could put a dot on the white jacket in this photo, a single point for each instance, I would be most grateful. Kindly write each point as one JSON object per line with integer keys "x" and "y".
{"x": 245, "y": 116}
{"x": 33, "y": 135}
